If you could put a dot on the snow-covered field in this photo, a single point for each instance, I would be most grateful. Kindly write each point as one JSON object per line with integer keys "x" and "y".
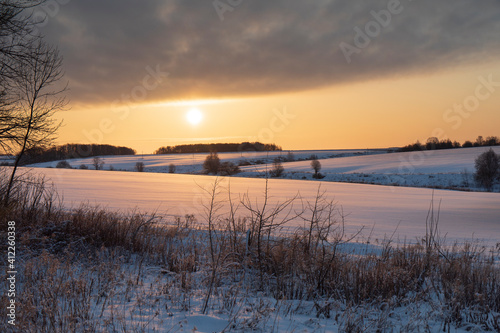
{"x": 445, "y": 169}
{"x": 193, "y": 163}
{"x": 385, "y": 209}
{"x": 450, "y": 169}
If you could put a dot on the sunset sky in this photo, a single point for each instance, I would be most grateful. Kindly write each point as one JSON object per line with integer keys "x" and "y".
{"x": 301, "y": 74}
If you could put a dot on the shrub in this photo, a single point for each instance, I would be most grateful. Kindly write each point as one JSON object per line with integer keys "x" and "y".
{"x": 228, "y": 169}
{"x": 63, "y": 165}
{"x": 212, "y": 163}
{"x": 487, "y": 166}
{"x": 83, "y": 167}
{"x": 244, "y": 163}
{"x": 171, "y": 168}
{"x": 278, "y": 169}
{"x": 139, "y": 167}
{"x": 290, "y": 157}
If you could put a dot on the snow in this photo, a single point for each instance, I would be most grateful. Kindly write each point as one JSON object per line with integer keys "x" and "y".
{"x": 193, "y": 163}
{"x": 449, "y": 169}
{"x": 385, "y": 209}
{"x": 445, "y": 169}
{"x": 423, "y": 162}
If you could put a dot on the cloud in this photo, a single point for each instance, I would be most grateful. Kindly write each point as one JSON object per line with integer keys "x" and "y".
{"x": 260, "y": 47}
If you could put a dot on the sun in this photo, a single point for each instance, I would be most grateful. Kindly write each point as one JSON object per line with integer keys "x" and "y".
{"x": 194, "y": 116}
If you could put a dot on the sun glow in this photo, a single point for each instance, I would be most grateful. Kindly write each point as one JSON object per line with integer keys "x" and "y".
{"x": 194, "y": 116}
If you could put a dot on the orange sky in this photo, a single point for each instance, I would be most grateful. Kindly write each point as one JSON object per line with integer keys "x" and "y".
{"x": 378, "y": 113}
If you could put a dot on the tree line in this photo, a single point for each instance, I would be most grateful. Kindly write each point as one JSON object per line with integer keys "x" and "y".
{"x": 70, "y": 151}
{"x": 433, "y": 143}
{"x": 217, "y": 147}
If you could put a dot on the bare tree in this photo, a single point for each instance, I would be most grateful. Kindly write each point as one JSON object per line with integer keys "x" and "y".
{"x": 139, "y": 167}
{"x": 15, "y": 43}
{"x": 28, "y": 71}
{"x": 35, "y": 101}
{"x": 98, "y": 163}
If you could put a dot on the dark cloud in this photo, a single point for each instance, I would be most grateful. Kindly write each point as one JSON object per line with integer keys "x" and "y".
{"x": 260, "y": 46}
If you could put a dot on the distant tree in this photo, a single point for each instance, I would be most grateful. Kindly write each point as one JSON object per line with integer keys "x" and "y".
{"x": 98, "y": 163}
{"x": 492, "y": 141}
{"x": 68, "y": 151}
{"x": 467, "y": 144}
{"x": 290, "y": 157}
{"x": 479, "y": 141}
{"x": 63, "y": 165}
{"x": 220, "y": 147}
{"x": 83, "y": 167}
{"x": 139, "y": 166}
{"x": 277, "y": 169}
{"x": 432, "y": 143}
{"x": 316, "y": 166}
{"x": 487, "y": 169}
{"x": 212, "y": 163}
{"x": 171, "y": 168}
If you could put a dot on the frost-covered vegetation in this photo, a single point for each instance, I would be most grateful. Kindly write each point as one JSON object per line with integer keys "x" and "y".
{"x": 91, "y": 270}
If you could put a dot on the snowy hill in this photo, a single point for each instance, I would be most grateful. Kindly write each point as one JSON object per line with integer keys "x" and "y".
{"x": 442, "y": 169}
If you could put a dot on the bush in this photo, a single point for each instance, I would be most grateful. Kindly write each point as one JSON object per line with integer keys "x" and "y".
{"x": 290, "y": 157}
{"x": 139, "y": 167}
{"x": 63, "y": 165}
{"x": 487, "y": 169}
{"x": 278, "y": 169}
{"x": 212, "y": 163}
{"x": 171, "y": 168}
{"x": 83, "y": 167}
{"x": 228, "y": 169}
